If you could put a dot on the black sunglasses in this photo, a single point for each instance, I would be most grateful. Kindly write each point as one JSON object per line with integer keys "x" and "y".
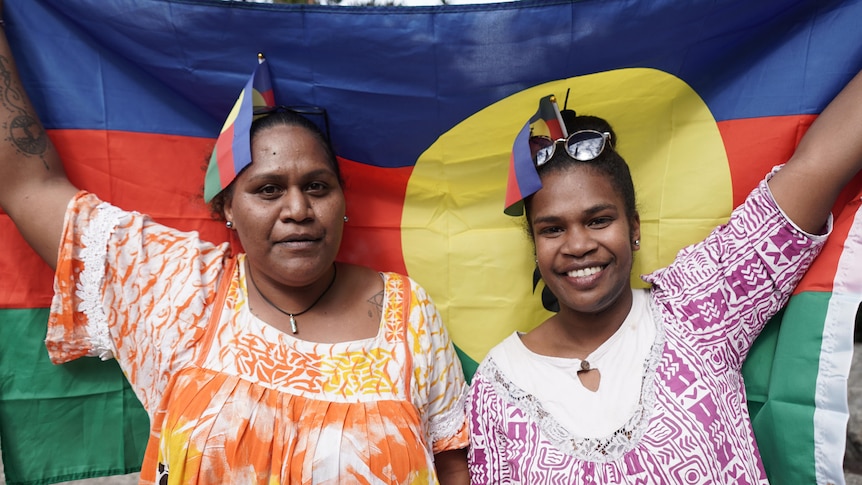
{"x": 583, "y": 145}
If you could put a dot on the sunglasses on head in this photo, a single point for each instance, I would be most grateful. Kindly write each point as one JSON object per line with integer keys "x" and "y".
{"x": 301, "y": 110}
{"x": 583, "y": 145}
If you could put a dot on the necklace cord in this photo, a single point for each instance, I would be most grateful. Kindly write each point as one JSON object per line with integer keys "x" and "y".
{"x": 293, "y": 316}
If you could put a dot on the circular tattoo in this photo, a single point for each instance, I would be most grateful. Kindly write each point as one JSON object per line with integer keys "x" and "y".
{"x": 28, "y": 135}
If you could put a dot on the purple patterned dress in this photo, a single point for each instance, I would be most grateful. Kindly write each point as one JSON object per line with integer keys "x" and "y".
{"x": 691, "y": 424}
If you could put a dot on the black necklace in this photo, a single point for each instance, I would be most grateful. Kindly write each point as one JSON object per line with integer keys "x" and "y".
{"x": 294, "y": 315}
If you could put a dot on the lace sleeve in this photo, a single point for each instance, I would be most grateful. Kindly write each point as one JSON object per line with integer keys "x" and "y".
{"x": 129, "y": 288}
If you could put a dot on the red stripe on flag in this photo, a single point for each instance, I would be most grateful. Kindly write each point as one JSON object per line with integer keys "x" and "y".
{"x": 169, "y": 187}
{"x": 555, "y": 129}
{"x": 821, "y": 275}
{"x": 513, "y": 190}
{"x": 26, "y": 281}
{"x": 167, "y": 184}
{"x": 549, "y": 113}
{"x": 753, "y": 147}
{"x": 268, "y": 97}
{"x": 375, "y": 202}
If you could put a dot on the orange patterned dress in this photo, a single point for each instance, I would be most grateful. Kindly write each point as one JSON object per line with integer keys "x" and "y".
{"x": 230, "y": 398}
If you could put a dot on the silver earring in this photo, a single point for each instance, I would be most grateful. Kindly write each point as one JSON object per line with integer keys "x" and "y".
{"x": 345, "y": 219}
{"x": 637, "y": 242}
{"x": 229, "y": 224}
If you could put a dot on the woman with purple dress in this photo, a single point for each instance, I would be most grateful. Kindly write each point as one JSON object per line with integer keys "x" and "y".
{"x": 626, "y": 385}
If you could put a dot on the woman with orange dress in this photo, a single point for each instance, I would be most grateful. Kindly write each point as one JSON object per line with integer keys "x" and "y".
{"x": 276, "y": 365}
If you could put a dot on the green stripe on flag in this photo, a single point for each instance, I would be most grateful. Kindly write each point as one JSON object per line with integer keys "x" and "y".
{"x": 781, "y": 378}
{"x": 63, "y": 422}
{"x": 468, "y": 365}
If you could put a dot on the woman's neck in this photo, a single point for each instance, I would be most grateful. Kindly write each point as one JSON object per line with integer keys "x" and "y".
{"x": 574, "y": 334}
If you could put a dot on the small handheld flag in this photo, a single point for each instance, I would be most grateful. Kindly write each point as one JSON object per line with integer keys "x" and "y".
{"x": 232, "y": 151}
{"x": 523, "y": 179}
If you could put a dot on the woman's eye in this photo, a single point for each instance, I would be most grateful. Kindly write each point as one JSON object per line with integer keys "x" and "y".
{"x": 550, "y": 230}
{"x": 601, "y": 222}
{"x": 316, "y": 186}
{"x": 269, "y": 190}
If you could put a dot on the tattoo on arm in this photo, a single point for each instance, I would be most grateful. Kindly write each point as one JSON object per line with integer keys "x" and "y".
{"x": 23, "y": 129}
{"x": 376, "y": 302}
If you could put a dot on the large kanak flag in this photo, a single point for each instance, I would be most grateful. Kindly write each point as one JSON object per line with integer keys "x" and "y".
{"x": 424, "y": 104}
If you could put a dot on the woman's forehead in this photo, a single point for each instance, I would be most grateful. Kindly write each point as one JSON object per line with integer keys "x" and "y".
{"x": 575, "y": 185}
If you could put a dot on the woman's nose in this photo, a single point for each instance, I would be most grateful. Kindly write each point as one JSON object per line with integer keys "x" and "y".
{"x": 578, "y": 242}
{"x": 295, "y": 205}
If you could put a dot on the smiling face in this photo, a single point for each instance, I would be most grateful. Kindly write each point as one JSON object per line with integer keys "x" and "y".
{"x": 584, "y": 241}
{"x": 288, "y": 207}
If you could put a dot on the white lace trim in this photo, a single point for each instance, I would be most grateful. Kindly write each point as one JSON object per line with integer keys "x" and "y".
{"x": 600, "y": 450}
{"x": 447, "y": 425}
{"x": 89, "y": 289}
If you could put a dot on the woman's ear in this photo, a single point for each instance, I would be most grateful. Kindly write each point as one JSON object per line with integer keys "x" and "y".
{"x": 636, "y": 231}
{"x": 227, "y": 209}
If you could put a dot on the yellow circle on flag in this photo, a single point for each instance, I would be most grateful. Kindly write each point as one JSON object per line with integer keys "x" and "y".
{"x": 477, "y": 263}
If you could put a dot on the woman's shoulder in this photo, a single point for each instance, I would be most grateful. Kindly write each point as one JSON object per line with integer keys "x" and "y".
{"x": 89, "y": 214}
{"x": 363, "y": 280}
{"x": 510, "y": 346}
{"x": 394, "y": 279}
{"x": 106, "y": 238}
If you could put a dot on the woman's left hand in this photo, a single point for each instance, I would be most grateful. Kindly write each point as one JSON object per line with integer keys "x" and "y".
{"x": 452, "y": 467}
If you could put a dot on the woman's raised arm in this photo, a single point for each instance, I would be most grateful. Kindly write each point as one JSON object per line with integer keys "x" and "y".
{"x": 828, "y": 156}
{"x": 34, "y": 190}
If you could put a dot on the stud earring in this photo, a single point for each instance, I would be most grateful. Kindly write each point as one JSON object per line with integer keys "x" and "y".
{"x": 637, "y": 242}
{"x": 229, "y": 224}
{"x": 345, "y": 219}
